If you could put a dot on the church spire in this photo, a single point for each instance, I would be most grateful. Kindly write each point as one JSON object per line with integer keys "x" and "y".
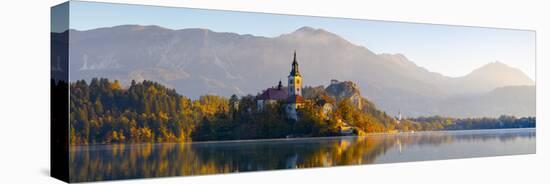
{"x": 294, "y": 71}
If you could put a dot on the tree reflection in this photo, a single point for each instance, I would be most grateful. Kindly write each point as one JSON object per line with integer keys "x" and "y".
{"x": 119, "y": 161}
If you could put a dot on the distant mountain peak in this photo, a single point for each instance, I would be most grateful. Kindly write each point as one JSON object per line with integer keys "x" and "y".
{"x": 307, "y": 29}
{"x": 136, "y": 27}
{"x": 400, "y": 60}
{"x": 498, "y": 74}
{"x": 495, "y": 66}
{"x": 128, "y": 27}
{"x": 320, "y": 36}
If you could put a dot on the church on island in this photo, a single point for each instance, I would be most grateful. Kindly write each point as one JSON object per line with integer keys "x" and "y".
{"x": 291, "y": 95}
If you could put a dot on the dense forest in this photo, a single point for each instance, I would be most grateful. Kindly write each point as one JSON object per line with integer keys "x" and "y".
{"x": 104, "y": 112}
{"x": 446, "y": 123}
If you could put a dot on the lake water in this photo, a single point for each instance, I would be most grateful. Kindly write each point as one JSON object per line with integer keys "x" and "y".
{"x": 108, "y": 162}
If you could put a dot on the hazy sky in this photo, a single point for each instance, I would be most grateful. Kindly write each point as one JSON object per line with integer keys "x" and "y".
{"x": 450, "y": 50}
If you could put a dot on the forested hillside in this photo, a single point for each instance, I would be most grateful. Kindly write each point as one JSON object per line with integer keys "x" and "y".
{"x": 103, "y": 112}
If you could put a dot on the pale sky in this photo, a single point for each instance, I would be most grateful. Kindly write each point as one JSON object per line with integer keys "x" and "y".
{"x": 450, "y": 50}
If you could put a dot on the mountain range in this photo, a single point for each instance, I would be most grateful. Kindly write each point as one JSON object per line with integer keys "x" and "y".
{"x": 201, "y": 61}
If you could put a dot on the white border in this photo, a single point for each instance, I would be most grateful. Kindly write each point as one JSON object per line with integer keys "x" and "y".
{"x": 24, "y": 95}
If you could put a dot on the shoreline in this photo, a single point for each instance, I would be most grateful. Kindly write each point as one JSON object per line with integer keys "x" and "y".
{"x": 306, "y": 138}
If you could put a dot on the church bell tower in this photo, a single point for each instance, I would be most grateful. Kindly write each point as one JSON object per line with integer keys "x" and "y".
{"x": 294, "y": 79}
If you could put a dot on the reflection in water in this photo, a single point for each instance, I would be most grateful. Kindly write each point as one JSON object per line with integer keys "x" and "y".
{"x": 107, "y": 162}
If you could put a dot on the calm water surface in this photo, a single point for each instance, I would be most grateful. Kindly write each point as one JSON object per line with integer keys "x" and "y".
{"x": 108, "y": 162}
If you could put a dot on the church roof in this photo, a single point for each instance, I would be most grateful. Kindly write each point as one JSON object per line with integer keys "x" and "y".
{"x": 274, "y": 93}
